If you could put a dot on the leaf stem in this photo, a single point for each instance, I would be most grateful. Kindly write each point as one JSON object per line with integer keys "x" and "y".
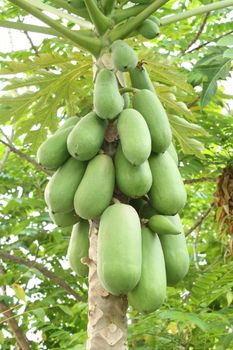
{"x": 120, "y": 15}
{"x": 28, "y": 27}
{"x": 101, "y": 22}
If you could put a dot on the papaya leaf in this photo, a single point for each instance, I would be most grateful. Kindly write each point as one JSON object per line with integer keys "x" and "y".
{"x": 225, "y": 41}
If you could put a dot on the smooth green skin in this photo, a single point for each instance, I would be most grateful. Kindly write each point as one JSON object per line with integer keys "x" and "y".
{"x": 167, "y": 194}
{"x": 108, "y": 102}
{"x": 61, "y": 188}
{"x": 148, "y": 104}
{"x": 172, "y": 151}
{"x": 147, "y": 211}
{"x": 150, "y": 292}
{"x": 96, "y": 188}
{"x": 126, "y": 99}
{"x": 133, "y": 181}
{"x": 134, "y": 135}
{"x": 175, "y": 254}
{"x": 119, "y": 249}
{"x": 155, "y": 20}
{"x": 78, "y": 248}
{"x": 140, "y": 79}
{"x": 64, "y": 219}
{"x": 72, "y": 121}
{"x": 149, "y": 29}
{"x": 87, "y": 136}
{"x": 163, "y": 226}
{"x": 123, "y": 56}
{"x": 53, "y": 152}
{"x": 77, "y": 4}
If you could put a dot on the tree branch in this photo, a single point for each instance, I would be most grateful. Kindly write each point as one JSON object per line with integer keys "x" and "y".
{"x": 200, "y": 220}
{"x": 120, "y": 15}
{"x": 28, "y": 27}
{"x": 49, "y": 274}
{"x": 200, "y": 179}
{"x": 34, "y": 48}
{"x": 200, "y": 30}
{"x": 101, "y": 22}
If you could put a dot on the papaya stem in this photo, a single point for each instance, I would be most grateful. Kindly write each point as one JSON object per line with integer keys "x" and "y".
{"x": 28, "y": 27}
{"x": 82, "y": 12}
{"x": 101, "y": 22}
{"x": 128, "y": 89}
{"x": 120, "y": 15}
{"x": 108, "y": 6}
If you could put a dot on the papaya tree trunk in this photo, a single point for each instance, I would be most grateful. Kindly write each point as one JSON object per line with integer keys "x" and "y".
{"x": 107, "y": 321}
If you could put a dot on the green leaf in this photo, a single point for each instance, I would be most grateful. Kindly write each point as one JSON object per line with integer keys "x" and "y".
{"x": 225, "y": 41}
{"x": 228, "y": 53}
{"x": 19, "y": 291}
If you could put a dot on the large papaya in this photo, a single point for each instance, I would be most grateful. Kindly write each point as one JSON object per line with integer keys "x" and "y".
{"x": 172, "y": 151}
{"x": 64, "y": 219}
{"x": 149, "y": 29}
{"x": 133, "y": 181}
{"x": 134, "y": 135}
{"x": 61, "y": 188}
{"x": 140, "y": 79}
{"x": 119, "y": 249}
{"x": 72, "y": 121}
{"x": 87, "y": 136}
{"x": 78, "y": 248}
{"x": 123, "y": 56}
{"x": 167, "y": 194}
{"x": 175, "y": 254}
{"x": 53, "y": 152}
{"x": 148, "y": 104}
{"x": 96, "y": 188}
{"x": 163, "y": 226}
{"x": 108, "y": 102}
{"x": 150, "y": 292}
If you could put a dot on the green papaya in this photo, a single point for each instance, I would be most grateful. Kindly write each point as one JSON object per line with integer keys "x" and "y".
{"x": 172, "y": 151}
{"x": 108, "y": 102}
{"x": 167, "y": 194}
{"x": 61, "y": 188}
{"x": 87, "y": 136}
{"x": 64, "y": 219}
{"x": 72, "y": 121}
{"x": 163, "y": 226}
{"x": 148, "y": 104}
{"x": 155, "y": 20}
{"x": 140, "y": 78}
{"x": 150, "y": 292}
{"x": 133, "y": 181}
{"x": 131, "y": 127}
{"x": 123, "y": 56}
{"x": 175, "y": 254}
{"x": 119, "y": 249}
{"x": 149, "y": 29}
{"x": 147, "y": 211}
{"x": 53, "y": 152}
{"x": 96, "y": 188}
{"x": 78, "y": 248}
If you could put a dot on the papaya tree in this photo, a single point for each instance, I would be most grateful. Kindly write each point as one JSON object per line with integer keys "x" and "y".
{"x": 112, "y": 164}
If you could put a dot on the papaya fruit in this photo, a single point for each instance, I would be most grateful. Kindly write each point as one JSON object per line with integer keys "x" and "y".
{"x": 150, "y": 292}
{"x": 140, "y": 78}
{"x": 161, "y": 225}
{"x": 167, "y": 194}
{"x": 78, "y": 248}
{"x": 64, "y": 219}
{"x": 172, "y": 151}
{"x": 155, "y": 20}
{"x": 108, "y": 102}
{"x": 53, "y": 152}
{"x": 123, "y": 56}
{"x": 175, "y": 254}
{"x": 133, "y": 181}
{"x": 147, "y": 211}
{"x": 149, "y": 29}
{"x": 96, "y": 188}
{"x": 87, "y": 136}
{"x": 131, "y": 127}
{"x": 148, "y": 104}
{"x": 119, "y": 249}
{"x": 61, "y": 188}
{"x": 72, "y": 121}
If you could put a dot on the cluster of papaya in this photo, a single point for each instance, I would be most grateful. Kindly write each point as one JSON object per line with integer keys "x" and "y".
{"x": 132, "y": 186}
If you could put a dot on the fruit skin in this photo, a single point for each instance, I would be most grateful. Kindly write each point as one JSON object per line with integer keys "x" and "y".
{"x": 61, "y": 188}
{"x": 150, "y": 292}
{"x": 53, "y": 152}
{"x": 126, "y": 99}
{"x": 175, "y": 254}
{"x": 119, "y": 249}
{"x": 64, "y": 219}
{"x": 149, "y": 29}
{"x": 72, "y": 121}
{"x": 155, "y": 20}
{"x": 167, "y": 194}
{"x": 172, "y": 151}
{"x": 133, "y": 181}
{"x": 96, "y": 188}
{"x": 108, "y": 102}
{"x": 78, "y": 248}
{"x": 134, "y": 135}
{"x": 163, "y": 226}
{"x": 123, "y": 56}
{"x": 87, "y": 136}
{"x": 140, "y": 79}
{"x": 153, "y": 112}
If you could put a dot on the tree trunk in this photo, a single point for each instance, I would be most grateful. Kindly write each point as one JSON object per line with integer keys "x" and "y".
{"x": 107, "y": 321}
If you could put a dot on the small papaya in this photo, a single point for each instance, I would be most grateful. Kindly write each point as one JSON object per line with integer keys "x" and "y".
{"x": 175, "y": 254}
{"x": 61, "y": 188}
{"x": 123, "y": 56}
{"x": 147, "y": 211}
{"x": 172, "y": 151}
{"x": 72, "y": 121}
{"x": 149, "y": 29}
{"x": 78, "y": 248}
{"x": 119, "y": 249}
{"x": 95, "y": 191}
{"x": 140, "y": 78}
{"x": 133, "y": 181}
{"x": 150, "y": 292}
{"x": 155, "y": 20}
{"x": 53, "y": 152}
{"x": 87, "y": 136}
{"x": 167, "y": 194}
{"x": 134, "y": 135}
{"x": 108, "y": 102}
{"x": 64, "y": 219}
{"x": 163, "y": 226}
